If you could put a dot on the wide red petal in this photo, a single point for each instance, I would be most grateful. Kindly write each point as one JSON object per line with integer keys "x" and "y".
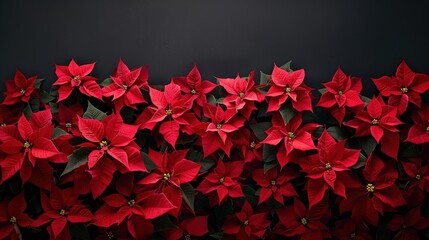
{"x": 102, "y": 174}
{"x": 91, "y": 129}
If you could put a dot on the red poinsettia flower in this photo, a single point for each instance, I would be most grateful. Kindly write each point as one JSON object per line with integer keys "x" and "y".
{"x": 246, "y": 224}
{"x": 406, "y": 86}
{"x": 286, "y": 85}
{"x": 419, "y": 131}
{"x": 224, "y": 180}
{"x": 126, "y": 85}
{"x": 188, "y": 228}
{"x": 72, "y": 76}
{"x": 342, "y": 94}
{"x": 193, "y": 85}
{"x": 242, "y": 94}
{"x": 28, "y": 146}
{"x": 134, "y": 206}
{"x": 417, "y": 181}
{"x": 297, "y": 221}
{"x": 61, "y": 208}
{"x": 117, "y": 231}
{"x": 407, "y": 226}
{"x": 293, "y": 135}
{"x": 249, "y": 144}
{"x": 13, "y": 216}
{"x": 9, "y": 115}
{"x": 173, "y": 170}
{"x": 327, "y": 169}
{"x": 67, "y": 118}
{"x": 217, "y": 134}
{"x": 378, "y": 193}
{"x": 19, "y": 89}
{"x": 274, "y": 183}
{"x": 113, "y": 147}
{"x": 171, "y": 110}
{"x": 379, "y": 121}
{"x": 347, "y": 229}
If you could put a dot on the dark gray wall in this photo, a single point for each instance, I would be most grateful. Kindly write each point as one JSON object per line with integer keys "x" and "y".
{"x": 366, "y": 38}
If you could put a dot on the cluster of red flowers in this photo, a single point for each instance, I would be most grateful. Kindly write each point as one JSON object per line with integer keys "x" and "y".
{"x": 120, "y": 159}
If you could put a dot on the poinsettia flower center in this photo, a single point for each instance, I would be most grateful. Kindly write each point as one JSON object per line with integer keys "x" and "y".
{"x": 352, "y": 235}
{"x": 125, "y": 87}
{"x": 427, "y": 128}
{"x": 193, "y": 91}
{"x": 68, "y": 125}
{"x": 167, "y": 176}
{"x": 22, "y": 91}
{"x": 252, "y": 144}
{"x": 404, "y": 89}
{"x": 168, "y": 112}
{"x": 62, "y": 212}
{"x": 241, "y": 94}
{"x": 27, "y": 144}
{"x": 131, "y": 202}
{"x": 370, "y": 187}
{"x": 418, "y": 176}
{"x": 218, "y": 126}
{"x": 221, "y": 179}
{"x": 104, "y": 143}
{"x": 246, "y": 222}
{"x": 110, "y": 235}
{"x": 273, "y": 182}
{"x": 288, "y": 89}
{"x": 13, "y": 219}
{"x": 304, "y": 221}
{"x": 328, "y": 166}
{"x": 76, "y": 78}
{"x": 4, "y": 125}
{"x": 340, "y": 92}
{"x": 291, "y": 135}
{"x": 374, "y": 121}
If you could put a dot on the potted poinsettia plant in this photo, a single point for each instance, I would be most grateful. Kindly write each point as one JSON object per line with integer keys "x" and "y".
{"x": 235, "y": 158}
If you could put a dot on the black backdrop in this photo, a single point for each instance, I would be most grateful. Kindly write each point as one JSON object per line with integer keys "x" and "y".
{"x": 366, "y": 38}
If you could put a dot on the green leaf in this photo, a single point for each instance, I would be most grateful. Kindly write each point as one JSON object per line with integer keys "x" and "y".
{"x": 76, "y": 159}
{"x": 150, "y": 165}
{"x": 337, "y": 133}
{"x": 366, "y": 100}
{"x": 127, "y": 115}
{"x": 270, "y": 165}
{"x": 361, "y": 161}
{"x": 409, "y": 150}
{"x": 106, "y": 82}
{"x": 94, "y": 113}
{"x": 188, "y": 194}
{"x": 58, "y": 132}
{"x": 223, "y": 210}
{"x": 287, "y": 112}
{"x": 79, "y": 231}
{"x": 265, "y": 78}
{"x": 287, "y": 67}
{"x": 211, "y": 99}
{"x": 368, "y": 144}
{"x": 163, "y": 223}
{"x": 269, "y": 152}
{"x": 250, "y": 194}
{"x": 322, "y": 90}
{"x": 259, "y": 129}
{"x": 38, "y": 83}
{"x": 34, "y": 104}
{"x": 45, "y": 97}
{"x": 27, "y": 111}
{"x": 217, "y": 235}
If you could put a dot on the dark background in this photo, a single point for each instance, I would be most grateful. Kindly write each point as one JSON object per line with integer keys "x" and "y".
{"x": 366, "y": 38}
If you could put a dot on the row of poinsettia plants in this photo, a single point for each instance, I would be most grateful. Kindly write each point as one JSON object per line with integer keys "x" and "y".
{"x": 120, "y": 159}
